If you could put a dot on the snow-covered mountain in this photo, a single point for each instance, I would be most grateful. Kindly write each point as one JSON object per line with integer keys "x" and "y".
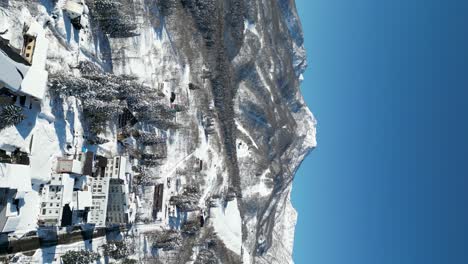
{"x": 234, "y": 67}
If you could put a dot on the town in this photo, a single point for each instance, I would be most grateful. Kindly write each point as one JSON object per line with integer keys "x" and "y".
{"x": 80, "y": 185}
{"x": 105, "y": 157}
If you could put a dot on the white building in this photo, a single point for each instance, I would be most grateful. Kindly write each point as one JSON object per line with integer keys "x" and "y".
{"x": 121, "y": 207}
{"x": 116, "y": 168}
{"x": 25, "y": 74}
{"x": 35, "y": 51}
{"x": 12, "y": 66}
{"x": 66, "y": 200}
{"x": 100, "y": 192}
{"x": 55, "y": 196}
{"x": 82, "y": 203}
{"x": 15, "y": 186}
{"x": 69, "y": 166}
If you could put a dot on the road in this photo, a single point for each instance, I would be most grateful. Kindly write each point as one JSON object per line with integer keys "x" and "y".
{"x": 12, "y": 246}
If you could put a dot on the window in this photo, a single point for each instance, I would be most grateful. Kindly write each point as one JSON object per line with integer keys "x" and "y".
{"x": 58, "y": 205}
{"x": 56, "y": 211}
{"x": 50, "y": 204}
{"x": 44, "y": 211}
{"x": 29, "y": 47}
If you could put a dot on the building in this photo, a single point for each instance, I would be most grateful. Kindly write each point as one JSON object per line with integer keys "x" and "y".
{"x": 13, "y": 67}
{"x": 15, "y": 185}
{"x": 35, "y": 51}
{"x": 126, "y": 118}
{"x": 99, "y": 192}
{"x": 69, "y": 166}
{"x": 118, "y": 203}
{"x": 29, "y": 43}
{"x": 88, "y": 162}
{"x": 121, "y": 207}
{"x": 56, "y": 201}
{"x": 24, "y": 74}
{"x": 82, "y": 203}
{"x": 116, "y": 168}
{"x": 82, "y": 163}
{"x": 158, "y": 201}
{"x": 66, "y": 200}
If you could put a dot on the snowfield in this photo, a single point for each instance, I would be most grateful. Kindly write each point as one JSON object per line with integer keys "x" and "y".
{"x": 228, "y": 225}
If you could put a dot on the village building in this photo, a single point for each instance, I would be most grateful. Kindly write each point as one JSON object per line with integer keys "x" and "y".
{"x": 15, "y": 185}
{"x": 14, "y": 68}
{"x": 118, "y": 207}
{"x": 80, "y": 163}
{"x": 24, "y": 74}
{"x": 66, "y": 200}
{"x": 82, "y": 199}
{"x": 82, "y": 203}
{"x": 117, "y": 167}
{"x": 100, "y": 193}
{"x": 35, "y": 81}
{"x": 158, "y": 201}
{"x": 121, "y": 203}
{"x": 69, "y": 166}
{"x": 57, "y": 197}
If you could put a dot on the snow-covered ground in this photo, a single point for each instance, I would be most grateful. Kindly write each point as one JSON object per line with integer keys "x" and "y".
{"x": 269, "y": 111}
{"x": 228, "y": 225}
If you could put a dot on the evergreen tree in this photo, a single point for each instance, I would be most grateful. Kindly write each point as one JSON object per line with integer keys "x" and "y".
{"x": 79, "y": 257}
{"x": 115, "y": 19}
{"x": 10, "y": 116}
{"x": 118, "y": 249}
{"x": 167, "y": 240}
{"x": 148, "y": 139}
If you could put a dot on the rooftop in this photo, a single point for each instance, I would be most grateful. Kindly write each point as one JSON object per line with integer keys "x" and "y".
{"x": 15, "y": 176}
{"x": 13, "y": 68}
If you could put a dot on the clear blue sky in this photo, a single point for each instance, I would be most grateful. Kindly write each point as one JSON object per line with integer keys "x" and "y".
{"x": 388, "y": 182}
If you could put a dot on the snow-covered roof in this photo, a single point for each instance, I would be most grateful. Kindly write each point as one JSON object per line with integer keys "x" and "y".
{"x": 82, "y": 181}
{"x": 82, "y": 199}
{"x": 35, "y": 81}
{"x": 67, "y": 181}
{"x": 13, "y": 68}
{"x": 11, "y": 223}
{"x": 15, "y": 176}
{"x": 69, "y": 166}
